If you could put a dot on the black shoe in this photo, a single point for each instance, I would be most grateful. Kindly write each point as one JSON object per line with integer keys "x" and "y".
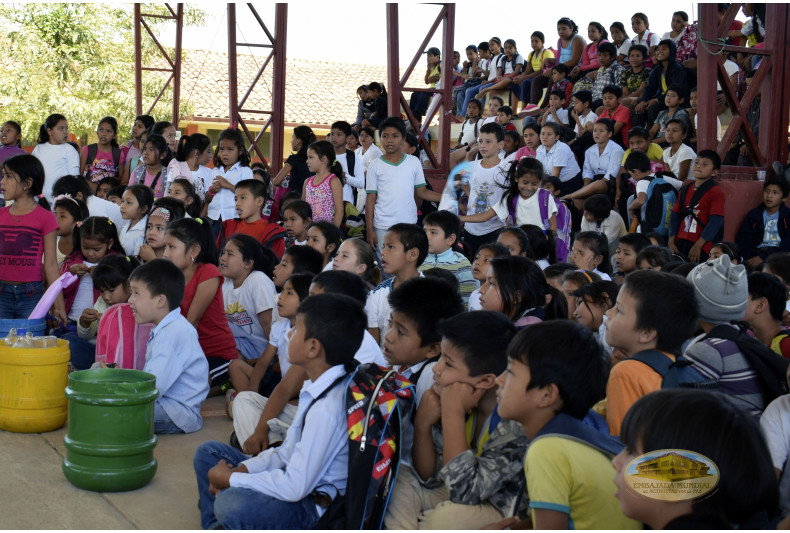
{"x": 234, "y": 441}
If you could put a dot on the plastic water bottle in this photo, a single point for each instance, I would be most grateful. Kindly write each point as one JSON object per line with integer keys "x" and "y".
{"x": 10, "y": 338}
{"x": 22, "y": 340}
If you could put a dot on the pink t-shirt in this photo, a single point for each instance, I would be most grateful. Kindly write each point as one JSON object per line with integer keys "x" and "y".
{"x": 524, "y": 151}
{"x": 22, "y": 243}
{"x": 103, "y": 165}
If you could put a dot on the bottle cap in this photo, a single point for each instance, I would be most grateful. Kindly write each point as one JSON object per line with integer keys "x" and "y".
{"x": 21, "y": 332}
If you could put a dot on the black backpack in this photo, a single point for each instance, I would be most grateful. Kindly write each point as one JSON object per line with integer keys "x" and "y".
{"x": 378, "y": 402}
{"x": 770, "y": 367}
{"x": 661, "y": 198}
{"x": 93, "y": 149}
{"x": 677, "y": 374}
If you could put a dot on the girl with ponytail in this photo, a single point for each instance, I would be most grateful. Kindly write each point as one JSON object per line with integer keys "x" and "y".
{"x": 324, "y": 191}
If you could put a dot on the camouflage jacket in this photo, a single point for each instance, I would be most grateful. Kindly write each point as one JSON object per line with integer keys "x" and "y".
{"x": 496, "y": 476}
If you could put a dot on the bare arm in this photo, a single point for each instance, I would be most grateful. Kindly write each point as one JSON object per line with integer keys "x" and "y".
{"x": 337, "y": 199}
{"x": 479, "y": 217}
{"x": 278, "y": 179}
{"x": 370, "y": 206}
{"x": 203, "y": 296}
{"x": 51, "y": 274}
{"x": 424, "y": 194}
{"x": 265, "y": 318}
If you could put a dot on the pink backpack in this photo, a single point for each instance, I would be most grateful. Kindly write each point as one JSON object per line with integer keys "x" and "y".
{"x": 121, "y": 339}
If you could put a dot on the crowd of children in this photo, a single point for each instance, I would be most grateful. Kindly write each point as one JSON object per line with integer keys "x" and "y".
{"x": 538, "y": 321}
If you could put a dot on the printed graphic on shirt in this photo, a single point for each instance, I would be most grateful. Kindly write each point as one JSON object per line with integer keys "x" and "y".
{"x": 482, "y": 202}
{"x": 239, "y": 316}
{"x": 19, "y": 246}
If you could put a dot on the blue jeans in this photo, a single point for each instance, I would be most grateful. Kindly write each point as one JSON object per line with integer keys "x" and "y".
{"x": 18, "y": 301}
{"x": 163, "y": 424}
{"x": 471, "y": 92}
{"x": 238, "y": 508}
{"x": 524, "y": 90}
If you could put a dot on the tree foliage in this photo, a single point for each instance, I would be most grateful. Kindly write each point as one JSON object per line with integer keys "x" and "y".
{"x": 78, "y": 60}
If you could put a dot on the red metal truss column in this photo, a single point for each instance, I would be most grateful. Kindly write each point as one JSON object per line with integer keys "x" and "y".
{"x": 396, "y": 85}
{"x": 174, "y": 62}
{"x": 276, "y": 115}
{"x": 768, "y": 83}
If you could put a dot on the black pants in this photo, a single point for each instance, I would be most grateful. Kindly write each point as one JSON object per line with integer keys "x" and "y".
{"x": 473, "y": 242}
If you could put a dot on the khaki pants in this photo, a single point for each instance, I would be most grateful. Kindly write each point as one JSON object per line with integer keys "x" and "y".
{"x": 415, "y": 507}
{"x": 247, "y": 409}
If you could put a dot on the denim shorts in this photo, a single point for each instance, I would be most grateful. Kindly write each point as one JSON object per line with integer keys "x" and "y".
{"x": 18, "y": 300}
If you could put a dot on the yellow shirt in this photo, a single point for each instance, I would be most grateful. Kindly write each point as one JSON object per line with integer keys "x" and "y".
{"x": 434, "y": 72}
{"x": 575, "y": 479}
{"x": 537, "y": 59}
{"x": 654, "y": 152}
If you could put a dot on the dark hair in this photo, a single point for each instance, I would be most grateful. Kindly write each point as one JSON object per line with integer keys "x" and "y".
{"x": 482, "y": 337}
{"x": 520, "y": 283}
{"x": 539, "y": 35}
{"x": 553, "y": 126}
{"x": 541, "y": 242}
{"x": 607, "y": 48}
{"x": 666, "y": 304}
{"x": 521, "y": 237}
{"x": 158, "y": 128}
{"x": 471, "y": 47}
{"x": 196, "y": 206}
{"x": 74, "y": 207}
{"x": 28, "y": 167}
{"x": 189, "y": 143}
{"x": 338, "y": 322}
{"x": 367, "y": 256}
{"x": 342, "y": 282}
{"x": 161, "y": 276}
{"x": 116, "y": 191}
{"x": 677, "y": 89}
{"x": 113, "y": 123}
{"x": 531, "y": 126}
{"x": 511, "y": 42}
{"x": 565, "y": 354}
{"x": 565, "y": 21}
{"x": 426, "y": 301}
{"x": 619, "y": 26}
{"x": 638, "y": 160}
{"x": 366, "y": 129}
{"x": 236, "y": 137}
{"x": 642, "y": 49}
{"x": 376, "y": 86}
{"x": 354, "y": 134}
{"x": 70, "y": 185}
{"x": 301, "y": 281}
{"x": 606, "y": 123}
{"x": 711, "y": 155}
{"x": 762, "y": 285}
{"x": 16, "y": 127}
{"x": 343, "y": 126}
{"x": 191, "y": 231}
{"x": 483, "y": 46}
{"x": 113, "y": 270}
{"x": 598, "y": 205}
{"x": 51, "y": 122}
{"x": 682, "y": 14}
{"x": 599, "y": 245}
{"x": 553, "y": 180}
{"x": 583, "y": 96}
{"x": 109, "y": 180}
{"x": 604, "y": 33}
{"x": 656, "y": 256}
{"x": 779, "y": 263}
{"x": 256, "y": 188}
{"x": 638, "y": 131}
{"x": 448, "y": 222}
{"x": 144, "y": 196}
{"x": 683, "y": 128}
{"x": 613, "y": 89}
{"x": 779, "y": 182}
{"x": 731, "y": 249}
{"x": 580, "y": 277}
{"x": 173, "y": 205}
{"x": 101, "y": 229}
{"x": 305, "y": 259}
{"x": 497, "y": 249}
{"x": 443, "y": 275}
{"x": 147, "y": 120}
{"x": 324, "y": 149}
{"x": 395, "y": 123}
{"x": 331, "y": 234}
{"x": 301, "y": 208}
{"x": 306, "y": 135}
{"x": 640, "y": 16}
{"x": 601, "y": 293}
{"x": 558, "y": 270}
{"x": 498, "y": 99}
{"x": 637, "y": 241}
{"x": 251, "y": 250}
{"x": 559, "y": 94}
{"x": 561, "y": 67}
{"x": 412, "y": 141}
{"x": 713, "y": 426}
{"x": 515, "y": 137}
{"x": 160, "y": 144}
{"x": 506, "y": 109}
{"x": 411, "y": 236}
{"x": 495, "y": 129}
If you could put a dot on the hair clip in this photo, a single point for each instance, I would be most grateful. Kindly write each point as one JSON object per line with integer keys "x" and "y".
{"x": 161, "y": 212}
{"x": 79, "y": 223}
{"x": 127, "y": 258}
{"x": 334, "y": 162}
{"x": 586, "y": 275}
{"x": 199, "y": 220}
{"x": 109, "y": 221}
{"x": 40, "y": 196}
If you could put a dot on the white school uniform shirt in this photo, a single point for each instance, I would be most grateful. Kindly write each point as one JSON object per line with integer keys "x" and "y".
{"x": 99, "y": 207}
{"x": 486, "y": 186}
{"x": 58, "y": 160}
{"x": 494, "y": 65}
{"x": 351, "y": 181}
{"x": 394, "y": 185}
{"x": 132, "y": 237}
{"x": 424, "y": 382}
{"x": 560, "y": 155}
{"x": 684, "y": 153}
{"x": 624, "y": 48}
{"x": 607, "y": 163}
{"x": 373, "y": 153}
{"x": 653, "y": 41}
{"x": 527, "y": 210}
{"x": 278, "y": 336}
{"x": 562, "y": 114}
{"x": 223, "y": 206}
{"x": 584, "y": 119}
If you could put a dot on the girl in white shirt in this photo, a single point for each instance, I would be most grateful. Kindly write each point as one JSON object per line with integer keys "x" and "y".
{"x": 59, "y": 159}
{"x": 136, "y": 204}
{"x": 558, "y": 159}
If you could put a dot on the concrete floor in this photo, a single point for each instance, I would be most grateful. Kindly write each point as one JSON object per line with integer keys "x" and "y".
{"x": 34, "y": 493}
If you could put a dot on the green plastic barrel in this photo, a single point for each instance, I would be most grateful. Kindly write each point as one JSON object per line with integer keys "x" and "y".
{"x": 110, "y": 440}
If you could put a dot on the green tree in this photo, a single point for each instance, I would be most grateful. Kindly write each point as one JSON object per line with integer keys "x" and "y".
{"x": 77, "y": 60}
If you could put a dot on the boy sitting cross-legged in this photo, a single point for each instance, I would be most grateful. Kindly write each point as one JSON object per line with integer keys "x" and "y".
{"x": 290, "y": 487}
{"x": 467, "y": 459}
{"x": 443, "y": 229}
{"x": 173, "y": 353}
{"x": 556, "y": 371}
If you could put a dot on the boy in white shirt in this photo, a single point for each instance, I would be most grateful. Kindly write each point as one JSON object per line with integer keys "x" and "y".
{"x": 679, "y": 157}
{"x": 555, "y": 112}
{"x": 354, "y": 178}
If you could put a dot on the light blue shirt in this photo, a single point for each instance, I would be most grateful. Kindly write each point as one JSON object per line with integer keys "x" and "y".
{"x": 771, "y": 237}
{"x": 314, "y": 455}
{"x": 561, "y": 156}
{"x": 607, "y": 163}
{"x": 174, "y": 356}
{"x": 223, "y": 206}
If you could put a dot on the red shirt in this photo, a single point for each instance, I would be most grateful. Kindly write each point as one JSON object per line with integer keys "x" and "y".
{"x": 269, "y": 234}
{"x": 621, "y": 114}
{"x": 213, "y": 331}
{"x": 711, "y": 203}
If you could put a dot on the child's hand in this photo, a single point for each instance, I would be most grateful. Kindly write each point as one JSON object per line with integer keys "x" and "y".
{"x": 430, "y": 410}
{"x": 672, "y": 246}
{"x": 462, "y": 396}
{"x": 695, "y": 252}
{"x": 372, "y": 240}
{"x": 219, "y": 476}
{"x": 256, "y": 443}
{"x": 753, "y": 262}
{"x": 78, "y": 270}
{"x": 89, "y": 315}
{"x": 575, "y": 72}
{"x": 147, "y": 253}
